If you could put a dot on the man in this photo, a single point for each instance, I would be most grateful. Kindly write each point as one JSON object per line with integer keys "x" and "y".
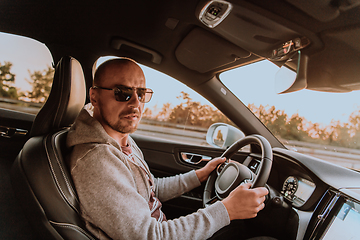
{"x": 119, "y": 198}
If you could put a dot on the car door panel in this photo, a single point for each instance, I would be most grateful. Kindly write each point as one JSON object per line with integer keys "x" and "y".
{"x": 14, "y": 131}
{"x": 166, "y": 156}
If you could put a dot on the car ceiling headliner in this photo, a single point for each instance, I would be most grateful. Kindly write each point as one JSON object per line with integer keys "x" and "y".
{"x": 85, "y": 30}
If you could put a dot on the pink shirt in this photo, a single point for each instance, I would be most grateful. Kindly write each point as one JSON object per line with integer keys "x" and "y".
{"x": 154, "y": 202}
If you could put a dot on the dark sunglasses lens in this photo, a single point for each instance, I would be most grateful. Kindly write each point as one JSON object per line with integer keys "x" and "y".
{"x": 141, "y": 94}
{"x": 123, "y": 95}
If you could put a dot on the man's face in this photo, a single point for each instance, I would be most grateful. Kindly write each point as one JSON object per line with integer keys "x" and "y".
{"x": 122, "y": 117}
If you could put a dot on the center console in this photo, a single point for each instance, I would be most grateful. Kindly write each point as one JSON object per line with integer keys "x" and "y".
{"x": 336, "y": 217}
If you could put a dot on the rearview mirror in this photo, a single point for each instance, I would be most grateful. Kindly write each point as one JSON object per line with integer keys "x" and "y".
{"x": 292, "y": 75}
{"x": 223, "y": 135}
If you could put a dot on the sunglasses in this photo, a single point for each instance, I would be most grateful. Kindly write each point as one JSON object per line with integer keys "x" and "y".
{"x": 124, "y": 93}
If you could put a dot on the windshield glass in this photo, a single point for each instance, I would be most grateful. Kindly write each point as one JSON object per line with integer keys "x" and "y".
{"x": 303, "y": 119}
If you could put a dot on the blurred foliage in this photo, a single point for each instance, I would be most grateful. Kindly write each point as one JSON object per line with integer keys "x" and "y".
{"x": 188, "y": 112}
{"x": 7, "y": 79}
{"x": 41, "y": 82}
{"x": 285, "y": 127}
{"x": 298, "y": 128}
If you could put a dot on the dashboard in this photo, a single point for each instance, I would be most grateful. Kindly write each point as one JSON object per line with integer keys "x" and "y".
{"x": 325, "y": 197}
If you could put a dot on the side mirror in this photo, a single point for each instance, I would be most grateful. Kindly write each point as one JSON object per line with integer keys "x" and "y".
{"x": 223, "y": 135}
{"x": 292, "y": 75}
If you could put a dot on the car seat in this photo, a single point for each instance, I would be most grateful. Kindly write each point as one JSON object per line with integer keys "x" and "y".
{"x": 39, "y": 176}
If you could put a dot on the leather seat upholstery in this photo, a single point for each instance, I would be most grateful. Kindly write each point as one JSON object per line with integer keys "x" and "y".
{"x": 40, "y": 177}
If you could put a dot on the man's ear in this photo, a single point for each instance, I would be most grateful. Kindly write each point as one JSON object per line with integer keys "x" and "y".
{"x": 93, "y": 96}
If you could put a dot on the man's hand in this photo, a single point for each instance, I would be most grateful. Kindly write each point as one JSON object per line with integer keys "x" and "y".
{"x": 203, "y": 173}
{"x": 243, "y": 202}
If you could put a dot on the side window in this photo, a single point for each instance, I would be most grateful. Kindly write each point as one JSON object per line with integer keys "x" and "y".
{"x": 175, "y": 112}
{"x": 25, "y": 73}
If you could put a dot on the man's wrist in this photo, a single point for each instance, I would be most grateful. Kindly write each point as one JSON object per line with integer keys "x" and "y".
{"x": 227, "y": 206}
{"x": 201, "y": 175}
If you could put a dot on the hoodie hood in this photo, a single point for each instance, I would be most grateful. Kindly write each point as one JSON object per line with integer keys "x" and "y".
{"x": 87, "y": 129}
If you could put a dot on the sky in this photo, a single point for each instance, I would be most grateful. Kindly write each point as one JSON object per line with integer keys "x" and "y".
{"x": 21, "y": 52}
{"x": 252, "y": 84}
{"x": 320, "y": 107}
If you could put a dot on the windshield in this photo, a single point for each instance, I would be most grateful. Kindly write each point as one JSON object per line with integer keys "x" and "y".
{"x": 302, "y": 119}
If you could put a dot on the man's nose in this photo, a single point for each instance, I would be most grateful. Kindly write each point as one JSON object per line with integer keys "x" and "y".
{"x": 134, "y": 100}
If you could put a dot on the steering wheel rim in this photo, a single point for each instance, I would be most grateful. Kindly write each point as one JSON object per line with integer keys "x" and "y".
{"x": 263, "y": 172}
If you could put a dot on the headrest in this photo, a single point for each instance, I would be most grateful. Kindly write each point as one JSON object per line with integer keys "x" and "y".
{"x": 66, "y": 99}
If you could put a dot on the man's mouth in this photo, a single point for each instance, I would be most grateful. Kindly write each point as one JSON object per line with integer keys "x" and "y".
{"x": 131, "y": 116}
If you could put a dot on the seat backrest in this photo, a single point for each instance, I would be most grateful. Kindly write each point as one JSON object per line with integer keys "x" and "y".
{"x": 66, "y": 98}
{"x": 40, "y": 177}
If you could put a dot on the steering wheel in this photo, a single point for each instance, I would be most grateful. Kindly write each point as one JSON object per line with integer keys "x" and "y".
{"x": 229, "y": 175}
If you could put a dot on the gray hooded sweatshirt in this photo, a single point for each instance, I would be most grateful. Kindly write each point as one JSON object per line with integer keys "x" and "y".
{"x": 114, "y": 190}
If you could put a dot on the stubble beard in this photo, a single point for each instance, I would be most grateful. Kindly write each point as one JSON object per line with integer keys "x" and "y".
{"x": 121, "y": 124}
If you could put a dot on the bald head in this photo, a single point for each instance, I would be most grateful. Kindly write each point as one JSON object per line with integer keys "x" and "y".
{"x": 114, "y": 66}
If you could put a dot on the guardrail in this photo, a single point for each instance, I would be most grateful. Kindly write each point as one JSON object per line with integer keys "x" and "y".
{"x": 21, "y": 106}
{"x": 20, "y": 102}
{"x": 345, "y": 157}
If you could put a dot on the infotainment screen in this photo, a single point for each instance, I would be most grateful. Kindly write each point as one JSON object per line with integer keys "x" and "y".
{"x": 346, "y": 224}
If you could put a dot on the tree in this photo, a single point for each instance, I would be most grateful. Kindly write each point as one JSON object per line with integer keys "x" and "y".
{"x": 355, "y": 128}
{"x": 279, "y": 123}
{"x": 147, "y": 113}
{"x": 295, "y": 128}
{"x": 41, "y": 82}
{"x": 6, "y": 80}
{"x": 182, "y": 114}
{"x": 188, "y": 112}
{"x": 164, "y": 113}
{"x": 318, "y": 132}
{"x": 194, "y": 113}
{"x": 354, "y": 120}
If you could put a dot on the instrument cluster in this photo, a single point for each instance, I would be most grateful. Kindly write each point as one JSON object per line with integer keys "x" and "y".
{"x": 297, "y": 190}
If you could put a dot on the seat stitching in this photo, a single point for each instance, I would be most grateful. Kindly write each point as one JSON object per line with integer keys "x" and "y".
{"x": 56, "y": 179}
{"x": 64, "y": 175}
{"x": 71, "y": 226}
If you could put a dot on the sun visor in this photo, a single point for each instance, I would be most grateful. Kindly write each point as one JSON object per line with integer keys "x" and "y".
{"x": 203, "y": 51}
{"x": 324, "y": 10}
